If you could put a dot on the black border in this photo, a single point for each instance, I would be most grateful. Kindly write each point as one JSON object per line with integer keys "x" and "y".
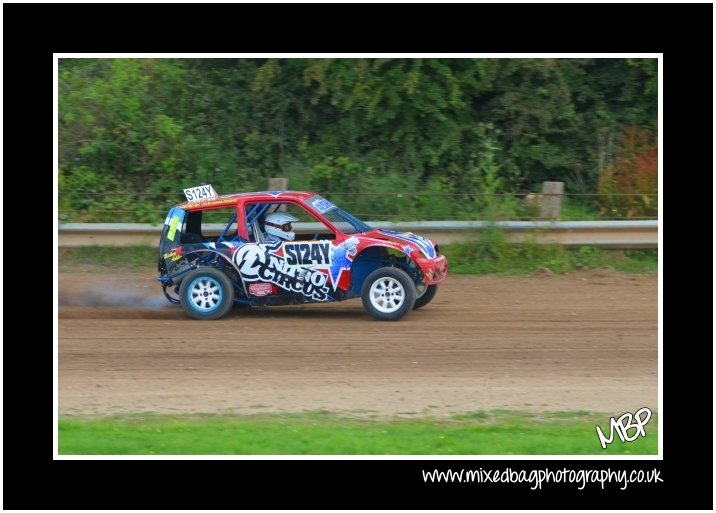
{"x": 32, "y": 32}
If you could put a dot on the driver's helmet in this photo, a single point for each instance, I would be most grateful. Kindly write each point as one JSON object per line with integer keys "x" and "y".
{"x": 278, "y": 224}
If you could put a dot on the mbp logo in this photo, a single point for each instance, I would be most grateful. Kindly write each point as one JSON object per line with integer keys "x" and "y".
{"x": 623, "y": 424}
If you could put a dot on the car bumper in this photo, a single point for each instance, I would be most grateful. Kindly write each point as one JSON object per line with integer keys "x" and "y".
{"x": 434, "y": 270}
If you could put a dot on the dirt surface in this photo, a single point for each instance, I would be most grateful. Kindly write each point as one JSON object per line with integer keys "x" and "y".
{"x": 586, "y": 341}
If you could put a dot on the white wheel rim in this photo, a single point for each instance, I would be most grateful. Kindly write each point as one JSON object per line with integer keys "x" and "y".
{"x": 387, "y": 295}
{"x": 205, "y": 294}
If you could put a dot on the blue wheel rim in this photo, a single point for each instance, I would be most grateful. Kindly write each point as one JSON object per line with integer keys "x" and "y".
{"x": 205, "y": 294}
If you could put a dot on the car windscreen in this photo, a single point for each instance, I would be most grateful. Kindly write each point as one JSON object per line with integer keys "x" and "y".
{"x": 347, "y": 223}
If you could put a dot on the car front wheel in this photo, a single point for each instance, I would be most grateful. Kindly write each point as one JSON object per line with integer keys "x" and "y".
{"x": 206, "y": 294}
{"x": 388, "y": 294}
{"x": 426, "y": 293}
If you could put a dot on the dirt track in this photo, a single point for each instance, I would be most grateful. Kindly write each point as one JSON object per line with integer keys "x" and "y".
{"x": 586, "y": 341}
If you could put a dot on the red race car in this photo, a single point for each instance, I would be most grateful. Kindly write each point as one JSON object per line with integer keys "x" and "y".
{"x": 289, "y": 247}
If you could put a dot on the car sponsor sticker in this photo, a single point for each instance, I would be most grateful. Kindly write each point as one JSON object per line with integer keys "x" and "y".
{"x": 260, "y": 289}
{"x": 322, "y": 204}
{"x": 173, "y": 225}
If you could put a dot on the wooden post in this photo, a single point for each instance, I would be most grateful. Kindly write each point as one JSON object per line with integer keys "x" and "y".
{"x": 551, "y": 205}
{"x": 278, "y": 184}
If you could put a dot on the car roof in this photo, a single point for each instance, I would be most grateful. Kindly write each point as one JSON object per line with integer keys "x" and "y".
{"x": 226, "y": 200}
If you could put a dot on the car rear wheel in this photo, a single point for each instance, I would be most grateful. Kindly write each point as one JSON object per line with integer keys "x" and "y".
{"x": 206, "y": 294}
{"x": 388, "y": 294}
{"x": 426, "y": 293}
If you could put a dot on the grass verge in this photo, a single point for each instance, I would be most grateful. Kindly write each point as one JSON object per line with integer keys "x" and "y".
{"x": 485, "y": 256}
{"x": 321, "y": 433}
{"x": 117, "y": 257}
{"x": 491, "y": 254}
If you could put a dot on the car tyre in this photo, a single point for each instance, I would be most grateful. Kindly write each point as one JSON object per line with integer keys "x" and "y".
{"x": 388, "y": 294}
{"x": 425, "y": 295}
{"x": 206, "y": 294}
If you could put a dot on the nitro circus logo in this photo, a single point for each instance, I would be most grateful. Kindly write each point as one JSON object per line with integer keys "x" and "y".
{"x": 259, "y": 262}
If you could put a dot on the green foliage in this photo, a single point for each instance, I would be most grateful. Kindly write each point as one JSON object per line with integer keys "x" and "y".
{"x": 338, "y": 174}
{"x": 483, "y": 186}
{"x": 318, "y": 433}
{"x": 577, "y": 209}
{"x": 473, "y": 130}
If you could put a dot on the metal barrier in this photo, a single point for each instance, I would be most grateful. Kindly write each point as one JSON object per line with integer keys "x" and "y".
{"x": 605, "y": 234}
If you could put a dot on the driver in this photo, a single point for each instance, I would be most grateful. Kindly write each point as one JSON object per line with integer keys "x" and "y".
{"x": 277, "y": 227}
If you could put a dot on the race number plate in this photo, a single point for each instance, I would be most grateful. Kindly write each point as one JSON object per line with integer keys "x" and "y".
{"x": 201, "y": 192}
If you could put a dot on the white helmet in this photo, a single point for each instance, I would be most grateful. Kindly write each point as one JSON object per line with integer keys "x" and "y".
{"x": 279, "y": 225}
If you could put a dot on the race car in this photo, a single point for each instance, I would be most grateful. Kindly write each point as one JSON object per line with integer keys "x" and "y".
{"x": 289, "y": 247}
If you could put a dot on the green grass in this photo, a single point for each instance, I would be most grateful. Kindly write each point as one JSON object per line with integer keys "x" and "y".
{"x": 124, "y": 257}
{"x": 321, "y": 433}
{"x": 490, "y": 254}
{"x": 576, "y": 209}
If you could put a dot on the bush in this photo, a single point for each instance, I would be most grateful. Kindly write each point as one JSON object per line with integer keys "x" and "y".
{"x": 629, "y": 185}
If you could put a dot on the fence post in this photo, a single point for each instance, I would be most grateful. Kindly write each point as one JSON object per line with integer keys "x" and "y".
{"x": 551, "y": 204}
{"x": 277, "y": 184}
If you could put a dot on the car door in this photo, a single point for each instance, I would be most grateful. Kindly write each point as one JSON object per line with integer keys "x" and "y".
{"x": 298, "y": 267}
